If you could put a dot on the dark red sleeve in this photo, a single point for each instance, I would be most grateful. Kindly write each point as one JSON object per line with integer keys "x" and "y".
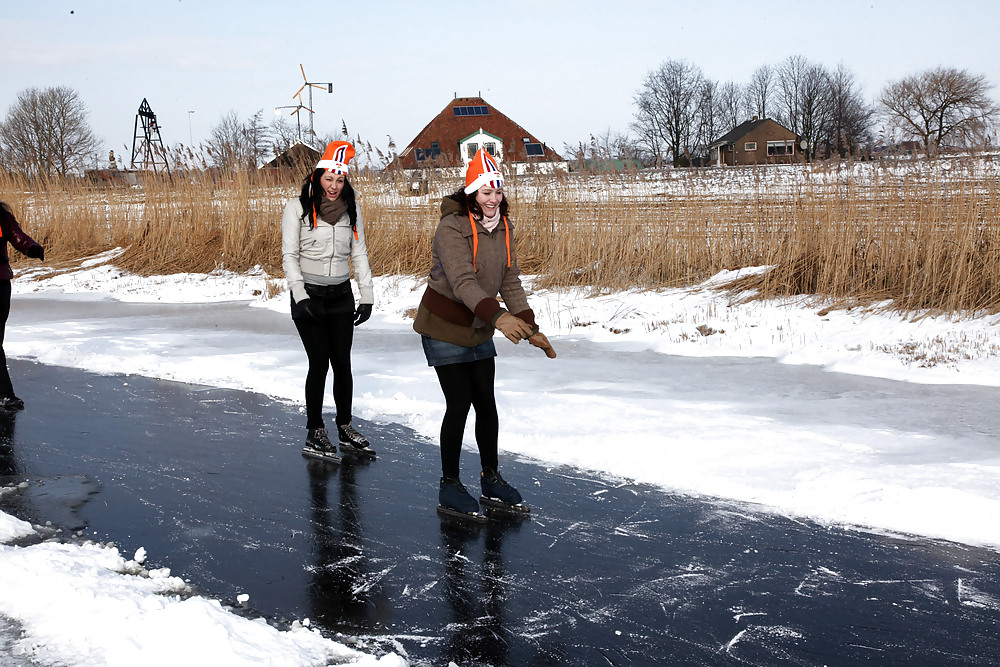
{"x": 13, "y": 232}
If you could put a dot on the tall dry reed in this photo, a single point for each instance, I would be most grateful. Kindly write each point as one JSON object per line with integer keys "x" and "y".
{"x": 923, "y": 234}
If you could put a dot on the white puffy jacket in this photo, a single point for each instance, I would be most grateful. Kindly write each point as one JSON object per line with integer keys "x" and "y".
{"x": 326, "y": 250}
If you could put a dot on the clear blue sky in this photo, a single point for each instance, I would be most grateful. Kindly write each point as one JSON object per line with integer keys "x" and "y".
{"x": 561, "y": 68}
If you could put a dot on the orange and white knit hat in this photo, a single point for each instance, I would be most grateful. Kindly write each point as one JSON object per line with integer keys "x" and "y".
{"x": 336, "y": 156}
{"x": 483, "y": 170}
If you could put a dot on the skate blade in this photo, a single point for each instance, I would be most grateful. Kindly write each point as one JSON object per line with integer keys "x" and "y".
{"x": 516, "y": 510}
{"x": 365, "y": 452}
{"x": 311, "y": 453}
{"x": 474, "y": 517}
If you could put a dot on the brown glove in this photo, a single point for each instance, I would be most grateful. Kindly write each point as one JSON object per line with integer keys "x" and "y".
{"x": 513, "y": 327}
{"x": 540, "y": 341}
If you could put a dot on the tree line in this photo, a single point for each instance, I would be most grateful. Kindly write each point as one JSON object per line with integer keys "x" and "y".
{"x": 46, "y": 133}
{"x": 679, "y": 112}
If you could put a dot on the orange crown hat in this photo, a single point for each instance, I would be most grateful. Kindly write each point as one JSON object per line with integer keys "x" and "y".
{"x": 483, "y": 170}
{"x": 336, "y": 156}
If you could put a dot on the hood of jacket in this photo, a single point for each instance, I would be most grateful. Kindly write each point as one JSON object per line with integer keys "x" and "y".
{"x": 449, "y": 206}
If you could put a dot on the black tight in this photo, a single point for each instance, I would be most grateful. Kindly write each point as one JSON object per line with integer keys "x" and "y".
{"x": 6, "y": 389}
{"x": 468, "y": 384}
{"x": 328, "y": 343}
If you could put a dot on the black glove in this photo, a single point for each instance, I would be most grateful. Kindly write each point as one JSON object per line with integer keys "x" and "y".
{"x": 36, "y": 252}
{"x": 304, "y": 310}
{"x": 362, "y": 314}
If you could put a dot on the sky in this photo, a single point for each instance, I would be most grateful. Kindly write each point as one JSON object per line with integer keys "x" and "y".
{"x": 563, "y": 69}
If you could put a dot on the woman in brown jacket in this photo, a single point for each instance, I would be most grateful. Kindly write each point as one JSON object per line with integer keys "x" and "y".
{"x": 11, "y": 233}
{"x": 474, "y": 260}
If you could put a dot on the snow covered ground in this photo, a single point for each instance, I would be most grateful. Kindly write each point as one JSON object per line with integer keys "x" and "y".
{"x": 877, "y": 478}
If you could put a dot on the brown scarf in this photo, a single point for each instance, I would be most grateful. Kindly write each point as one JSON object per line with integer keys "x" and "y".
{"x": 330, "y": 210}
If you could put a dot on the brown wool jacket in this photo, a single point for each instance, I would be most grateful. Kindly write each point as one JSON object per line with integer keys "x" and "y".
{"x": 460, "y": 303}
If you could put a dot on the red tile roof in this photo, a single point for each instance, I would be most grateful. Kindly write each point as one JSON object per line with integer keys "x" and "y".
{"x": 447, "y": 130}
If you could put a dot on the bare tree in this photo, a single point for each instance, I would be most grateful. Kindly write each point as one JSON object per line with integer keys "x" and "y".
{"x": 607, "y": 145}
{"x": 804, "y": 101}
{"x": 943, "y": 106}
{"x": 648, "y": 145}
{"x": 258, "y": 139}
{"x": 730, "y": 109}
{"x": 791, "y": 75}
{"x": 851, "y": 117}
{"x": 708, "y": 120}
{"x": 667, "y": 107}
{"x": 758, "y": 94}
{"x": 283, "y": 134}
{"x": 815, "y": 110}
{"x": 46, "y": 132}
{"x": 239, "y": 145}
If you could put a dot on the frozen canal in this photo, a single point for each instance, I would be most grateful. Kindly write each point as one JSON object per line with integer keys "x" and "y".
{"x": 211, "y": 483}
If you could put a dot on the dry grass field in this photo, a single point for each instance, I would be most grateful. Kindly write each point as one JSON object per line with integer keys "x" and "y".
{"x": 922, "y": 233}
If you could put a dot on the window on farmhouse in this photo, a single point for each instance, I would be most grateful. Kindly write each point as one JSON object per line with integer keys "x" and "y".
{"x": 471, "y": 149}
{"x": 780, "y": 147}
{"x": 428, "y": 153}
{"x": 491, "y": 148}
{"x": 750, "y": 146}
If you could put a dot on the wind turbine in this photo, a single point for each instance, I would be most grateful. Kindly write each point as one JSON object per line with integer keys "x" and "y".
{"x": 298, "y": 122}
{"x": 310, "y": 85}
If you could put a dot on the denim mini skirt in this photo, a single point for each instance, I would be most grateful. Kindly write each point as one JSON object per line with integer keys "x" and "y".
{"x": 439, "y": 353}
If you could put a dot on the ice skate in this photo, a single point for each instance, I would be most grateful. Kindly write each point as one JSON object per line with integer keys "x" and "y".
{"x": 352, "y": 442}
{"x": 499, "y": 495}
{"x": 454, "y": 500}
{"x": 318, "y": 446}
{"x": 11, "y": 403}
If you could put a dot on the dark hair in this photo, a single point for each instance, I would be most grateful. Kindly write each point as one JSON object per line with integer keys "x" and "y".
{"x": 312, "y": 196}
{"x": 469, "y": 204}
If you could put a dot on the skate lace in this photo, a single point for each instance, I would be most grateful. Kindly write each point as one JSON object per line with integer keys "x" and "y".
{"x": 495, "y": 476}
{"x": 322, "y": 437}
{"x": 352, "y": 434}
{"x": 455, "y": 482}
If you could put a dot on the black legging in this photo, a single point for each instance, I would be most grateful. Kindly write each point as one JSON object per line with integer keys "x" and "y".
{"x": 328, "y": 343}
{"x": 468, "y": 384}
{"x": 6, "y": 388}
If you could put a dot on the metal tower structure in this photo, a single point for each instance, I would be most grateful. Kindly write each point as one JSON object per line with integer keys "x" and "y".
{"x": 148, "y": 153}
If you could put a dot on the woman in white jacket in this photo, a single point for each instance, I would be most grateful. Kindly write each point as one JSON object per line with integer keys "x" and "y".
{"x": 322, "y": 238}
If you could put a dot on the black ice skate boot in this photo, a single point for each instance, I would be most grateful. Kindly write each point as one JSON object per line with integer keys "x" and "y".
{"x": 455, "y": 500}
{"x": 11, "y": 403}
{"x": 498, "y": 494}
{"x": 352, "y": 442}
{"x": 318, "y": 446}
